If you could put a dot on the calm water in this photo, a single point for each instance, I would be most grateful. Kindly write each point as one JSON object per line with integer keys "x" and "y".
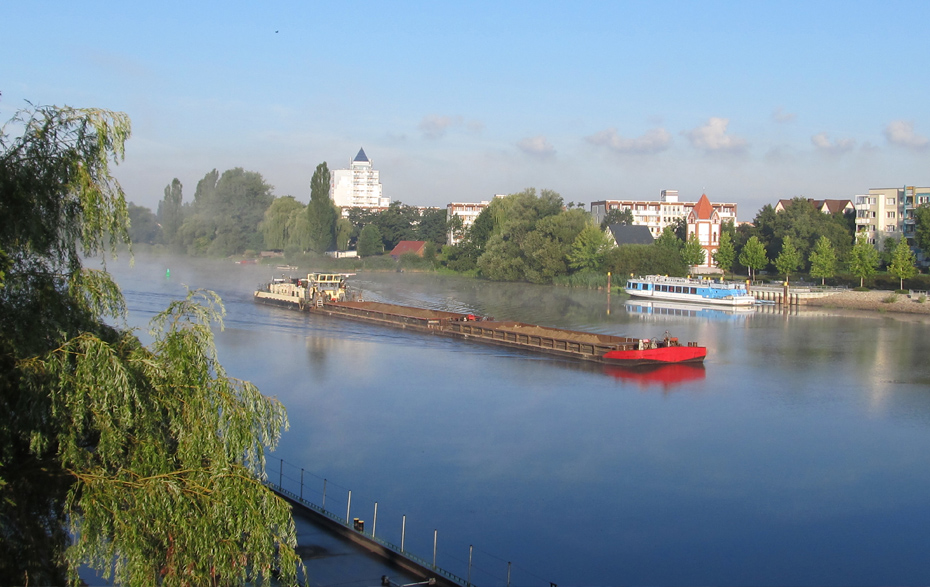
{"x": 798, "y": 456}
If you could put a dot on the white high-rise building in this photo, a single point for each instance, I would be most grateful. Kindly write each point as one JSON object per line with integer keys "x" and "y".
{"x": 359, "y": 186}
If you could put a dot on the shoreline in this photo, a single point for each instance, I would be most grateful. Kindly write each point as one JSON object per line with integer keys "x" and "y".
{"x": 873, "y": 301}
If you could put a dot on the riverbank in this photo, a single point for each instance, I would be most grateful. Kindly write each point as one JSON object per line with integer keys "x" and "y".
{"x": 873, "y": 300}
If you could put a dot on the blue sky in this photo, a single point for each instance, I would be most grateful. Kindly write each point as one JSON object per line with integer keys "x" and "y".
{"x": 746, "y": 101}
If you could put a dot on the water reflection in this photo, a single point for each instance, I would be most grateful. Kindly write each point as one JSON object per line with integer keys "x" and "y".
{"x": 668, "y": 377}
{"x": 678, "y": 310}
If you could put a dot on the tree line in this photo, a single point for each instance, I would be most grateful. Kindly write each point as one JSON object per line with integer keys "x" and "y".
{"x": 522, "y": 237}
{"x": 236, "y": 213}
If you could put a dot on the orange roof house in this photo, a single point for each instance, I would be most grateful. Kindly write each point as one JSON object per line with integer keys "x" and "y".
{"x": 404, "y": 247}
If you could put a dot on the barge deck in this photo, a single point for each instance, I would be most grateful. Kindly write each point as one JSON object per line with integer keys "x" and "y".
{"x": 591, "y": 347}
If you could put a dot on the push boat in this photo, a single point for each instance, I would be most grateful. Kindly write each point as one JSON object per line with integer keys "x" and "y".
{"x": 685, "y": 289}
{"x": 328, "y": 294}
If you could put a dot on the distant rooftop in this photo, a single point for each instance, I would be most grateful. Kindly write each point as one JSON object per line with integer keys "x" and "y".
{"x": 361, "y": 157}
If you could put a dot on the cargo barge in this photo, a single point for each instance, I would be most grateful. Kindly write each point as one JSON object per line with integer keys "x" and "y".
{"x": 326, "y": 294}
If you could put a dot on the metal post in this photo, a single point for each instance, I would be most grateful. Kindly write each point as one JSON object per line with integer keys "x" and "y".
{"x": 348, "y": 506}
{"x": 301, "y": 484}
{"x": 324, "y": 495}
{"x": 374, "y": 523}
{"x": 403, "y": 532}
{"x": 435, "y": 536}
{"x": 280, "y": 473}
{"x": 608, "y": 293}
{"x": 508, "y": 573}
{"x": 470, "y": 549}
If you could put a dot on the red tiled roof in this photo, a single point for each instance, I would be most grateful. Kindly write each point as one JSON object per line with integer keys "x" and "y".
{"x": 403, "y": 247}
{"x": 703, "y": 209}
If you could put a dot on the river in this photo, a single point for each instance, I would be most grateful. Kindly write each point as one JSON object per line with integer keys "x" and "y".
{"x": 797, "y": 456}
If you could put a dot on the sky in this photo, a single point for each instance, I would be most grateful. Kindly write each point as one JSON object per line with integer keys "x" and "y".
{"x": 748, "y": 102}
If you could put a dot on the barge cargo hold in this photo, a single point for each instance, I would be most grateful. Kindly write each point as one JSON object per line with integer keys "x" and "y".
{"x": 598, "y": 348}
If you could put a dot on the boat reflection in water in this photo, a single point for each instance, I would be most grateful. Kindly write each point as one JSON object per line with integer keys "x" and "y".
{"x": 665, "y": 376}
{"x": 664, "y": 308}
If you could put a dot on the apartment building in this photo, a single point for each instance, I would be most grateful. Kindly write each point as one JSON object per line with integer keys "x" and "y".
{"x": 468, "y": 212}
{"x": 359, "y": 186}
{"x": 889, "y": 212}
{"x": 656, "y": 215}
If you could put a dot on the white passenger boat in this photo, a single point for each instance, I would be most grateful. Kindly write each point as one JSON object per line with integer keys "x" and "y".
{"x": 682, "y": 289}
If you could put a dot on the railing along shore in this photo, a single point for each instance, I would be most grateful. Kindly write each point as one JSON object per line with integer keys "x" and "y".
{"x": 318, "y": 496}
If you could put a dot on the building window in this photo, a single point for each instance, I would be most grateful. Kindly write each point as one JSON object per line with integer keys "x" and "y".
{"x": 890, "y": 201}
{"x": 889, "y": 214}
{"x": 891, "y": 228}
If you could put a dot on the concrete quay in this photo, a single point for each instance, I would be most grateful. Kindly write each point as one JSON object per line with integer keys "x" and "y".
{"x": 790, "y": 295}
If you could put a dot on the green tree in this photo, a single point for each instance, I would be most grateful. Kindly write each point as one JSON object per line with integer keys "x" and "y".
{"x": 547, "y": 247}
{"x": 343, "y": 232}
{"x": 277, "y": 224}
{"x": 681, "y": 228}
{"x": 669, "y": 239}
{"x": 725, "y": 255}
{"x": 139, "y": 462}
{"x": 397, "y": 223}
{"x": 922, "y": 227}
{"x": 511, "y": 254}
{"x": 226, "y": 212}
{"x": 298, "y": 231}
{"x": 823, "y": 260}
{"x": 588, "y": 249}
{"x": 863, "y": 259}
{"x": 887, "y": 253}
{"x": 433, "y": 226}
{"x": 805, "y": 224}
{"x": 644, "y": 260}
{"x": 617, "y": 216}
{"x": 321, "y": 215}
{"x": 143, "y": 225}
{"x": 170, "y": 211}
{"x": 753, "y": 256}
{"x": 692, "y": 253}
{"x": 789, "y": 259}
{"x": 903, "y": 264}
{"x": 369, "y": 242}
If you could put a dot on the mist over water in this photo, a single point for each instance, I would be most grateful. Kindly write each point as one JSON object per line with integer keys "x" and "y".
{"x": 796, "y": 457}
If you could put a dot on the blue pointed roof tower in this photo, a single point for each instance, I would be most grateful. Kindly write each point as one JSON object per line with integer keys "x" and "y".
{"x": 361, "y": 157}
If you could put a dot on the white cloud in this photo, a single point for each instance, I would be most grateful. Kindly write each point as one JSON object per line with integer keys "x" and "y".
{"x": 653, "y": 141}
{"x": 713, "y": 137}
{"x": 779, "y": 115}
{"x": 537, "y": 146}
{"x": 901, "y": 133}
{"x": 434, "y": 126}
{"x": 823, "y": 142}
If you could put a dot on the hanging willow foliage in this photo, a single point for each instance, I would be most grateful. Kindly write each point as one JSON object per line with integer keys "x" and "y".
{"x": 152, "y": 458}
